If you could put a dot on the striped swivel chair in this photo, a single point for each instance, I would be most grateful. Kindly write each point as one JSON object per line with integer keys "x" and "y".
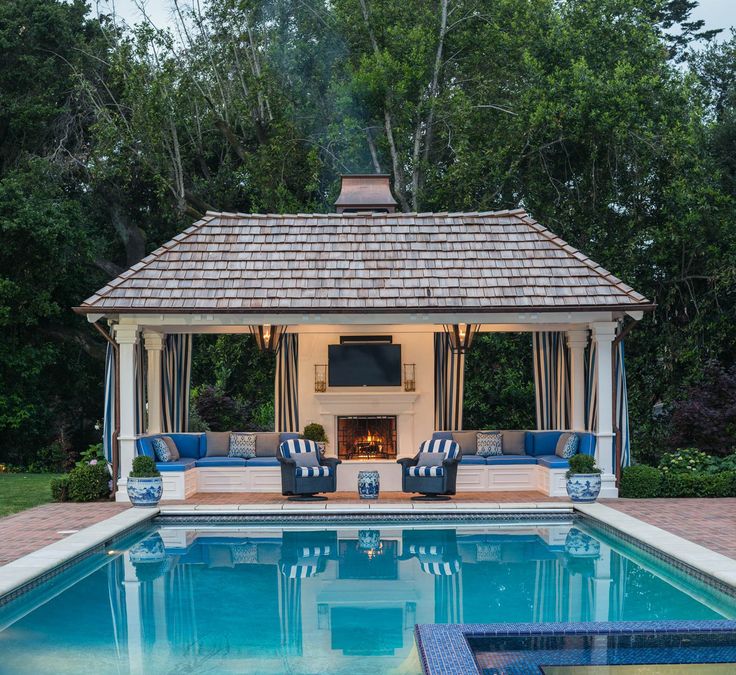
{"x": 436, "y": 551}
{"x": 432, "y": 472}
{"x": 303, "y": 472}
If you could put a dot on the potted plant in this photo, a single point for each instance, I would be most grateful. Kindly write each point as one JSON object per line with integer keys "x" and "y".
{"x": 583, "y": 479}
{"x": 145, "y": 486}
{"x": 316, "y": 432}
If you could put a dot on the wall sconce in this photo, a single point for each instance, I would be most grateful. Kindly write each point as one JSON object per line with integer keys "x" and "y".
{"x": 320, "y": 377}
{"x": 410, "y": 382}
{"x": 461, "y": 336}
{"x": 267, "y": 336}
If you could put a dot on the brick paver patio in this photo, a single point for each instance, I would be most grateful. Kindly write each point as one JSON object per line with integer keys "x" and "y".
{"x": 267, "y": 499}
{"x": 708, "y": 522}
{"x": 29, "y": 530}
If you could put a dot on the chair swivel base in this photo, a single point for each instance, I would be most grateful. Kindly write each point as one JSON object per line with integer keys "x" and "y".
{"x": 306, "y": 498}
{"x": 431, "y": 498}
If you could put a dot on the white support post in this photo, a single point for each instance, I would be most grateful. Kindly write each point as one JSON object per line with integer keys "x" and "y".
{"x": 602, "y": 587}
{"x": 154, "y": 347}
{"x": 577, "y": 340}
{"x": 603, "y": 334}
{"x": 126, "y": 336}
{"x": 134, "y": 627}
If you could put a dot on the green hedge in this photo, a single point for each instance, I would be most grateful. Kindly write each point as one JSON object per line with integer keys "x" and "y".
{"x": 699, "y": 484}
{"x": 60, "y": 489}
{"x": 640, "y": 482}
{"x": 646, "y": 482}
{"x": 89, "y": 482}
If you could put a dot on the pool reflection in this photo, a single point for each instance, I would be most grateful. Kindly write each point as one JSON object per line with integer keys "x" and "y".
{"x": 235, "y": 599}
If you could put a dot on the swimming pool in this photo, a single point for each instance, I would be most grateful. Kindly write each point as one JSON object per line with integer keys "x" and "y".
{"x": 329, "y": 598}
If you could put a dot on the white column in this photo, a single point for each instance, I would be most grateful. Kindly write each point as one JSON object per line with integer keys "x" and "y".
{"x": 603, "y": 334}
{"x": 602, "y": 587}
{"x": 133, "y": 617}
{"x": 126, "y": 335}
{"x": 577, "y": 340}
{"x": 154, "y": 346}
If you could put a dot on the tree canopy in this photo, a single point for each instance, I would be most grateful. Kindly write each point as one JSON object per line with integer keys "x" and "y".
{"x": 600, "y": 117}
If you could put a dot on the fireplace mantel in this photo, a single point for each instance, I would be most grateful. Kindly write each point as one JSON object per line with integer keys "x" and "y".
{"x": 367, "y": 402}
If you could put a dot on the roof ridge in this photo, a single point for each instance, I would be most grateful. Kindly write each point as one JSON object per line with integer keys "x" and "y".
{"x": 581, "y": 257}
{"x": 154, "y": 255}
{"x": 368, "y": 214}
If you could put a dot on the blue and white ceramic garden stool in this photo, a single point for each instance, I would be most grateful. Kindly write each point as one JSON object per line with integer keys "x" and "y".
{"x": 369, "y": 484}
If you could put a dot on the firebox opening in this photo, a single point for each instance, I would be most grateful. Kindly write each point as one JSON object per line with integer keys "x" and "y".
{"x": 366, "y": 437}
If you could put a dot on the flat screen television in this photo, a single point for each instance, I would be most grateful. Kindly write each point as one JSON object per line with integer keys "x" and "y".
{"x": 364, "y": 365}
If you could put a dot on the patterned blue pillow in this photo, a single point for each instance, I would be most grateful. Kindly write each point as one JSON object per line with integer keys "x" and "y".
{"x": 490, "y": 444}
{"x": 164, "y": 449}
{"x": 242, "y": 445}
{"x": 567, "y": 445}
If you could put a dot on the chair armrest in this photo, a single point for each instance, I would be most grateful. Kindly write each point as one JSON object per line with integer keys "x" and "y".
{"x": 330, "y": 461}
{"x": 283, "y": 460}
{"x": 407, "y": 461}
{"x": 450, "y": 462}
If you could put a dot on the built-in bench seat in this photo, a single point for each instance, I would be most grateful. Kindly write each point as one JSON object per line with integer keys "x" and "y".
{"x": 527, "y": 447}
{"x": 528, "y": 461}
{"x": 215, "y": 471}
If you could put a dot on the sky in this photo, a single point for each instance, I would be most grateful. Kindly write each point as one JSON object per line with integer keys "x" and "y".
{"x": 715, "y": 13}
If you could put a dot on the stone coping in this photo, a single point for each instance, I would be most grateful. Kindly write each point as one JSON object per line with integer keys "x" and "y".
{"x": 698, "y": 557}
{"x": 364, "y": 507}
{"x": 20, "y": 572}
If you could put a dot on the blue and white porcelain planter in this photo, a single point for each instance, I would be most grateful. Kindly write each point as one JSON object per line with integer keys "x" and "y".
{"x": 145, "y": 491}
{"x": 584, "y": 487}
{"x": 369, "y": 484}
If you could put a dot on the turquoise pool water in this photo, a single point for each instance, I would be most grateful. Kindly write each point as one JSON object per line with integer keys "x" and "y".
{"x": 262, "y": 599}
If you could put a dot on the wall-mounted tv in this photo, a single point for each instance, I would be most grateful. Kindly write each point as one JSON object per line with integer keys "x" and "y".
{"x": 364, "y": 365}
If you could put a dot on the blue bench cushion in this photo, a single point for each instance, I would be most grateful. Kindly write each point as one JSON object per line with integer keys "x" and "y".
{"x": 262, "y": 461}
{"x": 473, "y": 459}
{"x": 544, "y": 442}
{"x": 183, "y": 464}
{"x": 553, "y": 462}
{"x": 221, "y": 461}
{"x": 502, "y": 460}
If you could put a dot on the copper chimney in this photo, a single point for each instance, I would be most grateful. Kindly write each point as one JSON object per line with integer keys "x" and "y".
{"x": 365, "y": 192}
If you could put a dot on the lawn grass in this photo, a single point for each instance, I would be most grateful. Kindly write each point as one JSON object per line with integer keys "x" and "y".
{"x": 19, "y": 491}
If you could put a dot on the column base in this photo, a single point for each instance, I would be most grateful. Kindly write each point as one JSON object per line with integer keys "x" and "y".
{"x": 608, "y": 486}
{"x": 121, "y": 494}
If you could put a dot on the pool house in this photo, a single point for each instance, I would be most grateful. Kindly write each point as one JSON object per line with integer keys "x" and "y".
{"x": 370, "y": 313}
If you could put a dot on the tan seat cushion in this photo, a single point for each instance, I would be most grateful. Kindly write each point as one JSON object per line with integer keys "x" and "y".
{"x": 467, "y": 440}
{"x": 513, "y": 442}
{"x": 267, "y": 444}
{"x": 218, "y": 443}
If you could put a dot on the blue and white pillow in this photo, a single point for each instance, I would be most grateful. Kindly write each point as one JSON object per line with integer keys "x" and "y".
{"x": 490, "y": 444}
{"x": 242, "y": 445}
{"x": 567, "y": 445}
{"x": 165, "y": 449}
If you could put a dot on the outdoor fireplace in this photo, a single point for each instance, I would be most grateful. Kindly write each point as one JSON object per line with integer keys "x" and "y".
{"x": 366, "y": 437}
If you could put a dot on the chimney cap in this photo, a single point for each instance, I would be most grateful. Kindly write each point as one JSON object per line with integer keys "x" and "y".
{"x": 361, "y": 192}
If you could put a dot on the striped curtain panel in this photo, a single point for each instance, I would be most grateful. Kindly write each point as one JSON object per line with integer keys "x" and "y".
{"x": 291, "y": 615}
{"x": 286, "y": 398}
{"x": 591, "y": 390}
{"x": 177, "y": 372}
{"x": 449, "y": 374}
{"x": 447, "y": 599}
{"x": 140, "y": 387}
{"x": 108, "y": 422}
{"x": 552, "y": 380}
{"x": 621, "y": 403}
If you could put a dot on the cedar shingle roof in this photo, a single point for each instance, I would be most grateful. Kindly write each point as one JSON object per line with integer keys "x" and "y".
{"x": 496, "y": 261}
